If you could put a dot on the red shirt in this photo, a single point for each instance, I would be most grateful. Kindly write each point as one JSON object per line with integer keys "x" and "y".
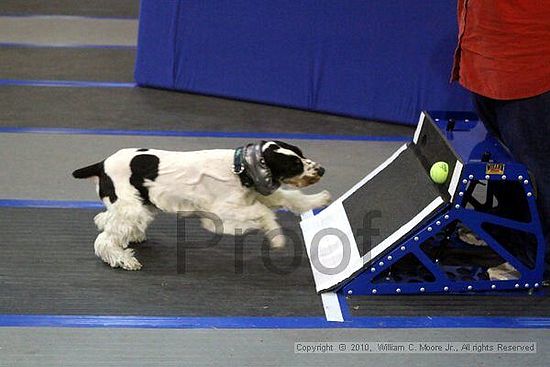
{"x": 503, "y": 47}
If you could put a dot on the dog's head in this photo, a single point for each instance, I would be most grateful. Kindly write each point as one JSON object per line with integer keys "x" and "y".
{"x": 288, "y": 164}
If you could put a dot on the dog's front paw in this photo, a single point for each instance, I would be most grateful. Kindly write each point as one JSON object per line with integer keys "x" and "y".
{"x": 278, "y": 242}
{"x": 320, "y": 200}
{"x": 325, "y": 198}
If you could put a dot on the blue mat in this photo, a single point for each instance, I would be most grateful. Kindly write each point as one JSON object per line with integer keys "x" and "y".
{"x": 383, "y": 60}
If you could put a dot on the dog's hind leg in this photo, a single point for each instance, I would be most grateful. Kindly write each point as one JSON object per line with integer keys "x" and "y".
{"x": 123, "y": 223}
{"x": 101, "y": 219}
{"x": 109, "y": 249}
{"x": 137, "y": 233}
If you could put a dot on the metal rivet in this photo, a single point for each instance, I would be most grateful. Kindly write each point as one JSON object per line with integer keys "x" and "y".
{"x": 487, "y": 177}
{"x": 398, "y": 290}
{"x": 520, "y": 177}
{"x": 493, "y": 287}
{"x": 529, "y": 194}
{"x": 437, "y": 120}
{"x": 457, "y": 206}
{"x": 403, "y": 248}
{"x": 525, "y": 182}
{"x": 526, "y": 285}
{"x": 422, "y": 289}
{"x": 516, "y": 285}
{"x": 446, "y": 217}
{"x": 390, "y": 258}
{"x": 438, "y": 222}
{"x": 436, "y": 261}
{"x": 372, "y": 270}
{"x": 446, "y": 289}
{"x": 536, "y": 285}
{"x": 471, "y": 177}
{"x": 503, "y": 177}
{"x": 381, "y": 263}
{"x": 374, "y": 291}
{"x": 430, "y": 229}
{"x": 470, "y": 287}
{"x": 466, "y": 120}
{"x": 461, "y": 194}
{"x": 416, "y": 238}
{"x": 350, "y": 292}
{"x": 464, "y": 181}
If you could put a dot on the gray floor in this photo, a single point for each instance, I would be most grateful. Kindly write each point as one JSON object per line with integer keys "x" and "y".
{"x": 37, "y": 167}
{"x": 135, "y": 347}
{"x": 68, "y": 31}
{"x": 152, "y": 109}
{"x": 57, "y": 244}
{"x": 81, "y": 64}
{"x": 49, "y": 177}
{"x": 68, "y": 279}
{"x": 90, "y": 8}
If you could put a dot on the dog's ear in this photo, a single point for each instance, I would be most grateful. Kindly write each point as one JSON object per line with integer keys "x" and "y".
{"x": 282, "y": 164}
{"x": 293, "y": 148}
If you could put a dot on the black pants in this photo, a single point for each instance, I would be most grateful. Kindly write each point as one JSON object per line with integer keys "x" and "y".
{"x": 523, "y": 125}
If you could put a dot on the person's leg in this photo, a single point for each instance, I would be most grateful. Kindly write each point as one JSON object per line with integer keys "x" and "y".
{"x": 485, "y": 108}
{"x": 524, "y": 127}
{"x": 503, "y": 191}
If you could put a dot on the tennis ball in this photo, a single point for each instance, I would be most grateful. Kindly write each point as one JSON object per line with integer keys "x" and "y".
{"x": 439, "y": 172}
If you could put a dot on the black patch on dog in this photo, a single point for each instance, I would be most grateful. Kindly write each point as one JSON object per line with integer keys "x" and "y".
{"x": 284, "y": 145}
{"x": 106, "y": 186}
{"x": 144, "y": 167}
{"x": 142, "y": 150}
{"x": 283, "y": 166}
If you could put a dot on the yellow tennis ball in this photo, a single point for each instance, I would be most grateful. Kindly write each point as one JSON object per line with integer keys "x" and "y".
{"x": 439, "y": 172}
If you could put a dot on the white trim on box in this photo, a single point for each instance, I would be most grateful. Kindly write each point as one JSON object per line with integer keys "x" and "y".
{"x": 454, "y": 179}
{"x": 419, "y": 127}
{"x": 331, "y": 305}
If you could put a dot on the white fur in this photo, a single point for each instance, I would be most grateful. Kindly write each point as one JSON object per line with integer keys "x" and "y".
{"x": 189, "y": 182}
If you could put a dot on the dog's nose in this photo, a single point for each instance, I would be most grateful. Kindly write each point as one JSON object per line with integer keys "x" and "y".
{"x": 320, "y": 171}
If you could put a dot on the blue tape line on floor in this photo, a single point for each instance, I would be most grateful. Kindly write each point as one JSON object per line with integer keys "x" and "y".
{"x": 201, "y": 134}
{"x": 68, "y": 17}
{"x": 269, "y": 322}
{"x": 63, "y": 83}
{"x": 61, "y": 204}
{"x": 68, "y": 45}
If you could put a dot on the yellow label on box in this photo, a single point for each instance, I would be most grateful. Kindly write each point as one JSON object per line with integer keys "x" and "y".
{"x": 495, "y": 169}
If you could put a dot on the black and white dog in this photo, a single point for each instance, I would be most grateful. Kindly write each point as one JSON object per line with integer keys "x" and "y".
{"x": 241, "y": 187}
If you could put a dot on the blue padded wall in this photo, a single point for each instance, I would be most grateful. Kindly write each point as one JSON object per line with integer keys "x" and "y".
{"x": 376, "y": 59}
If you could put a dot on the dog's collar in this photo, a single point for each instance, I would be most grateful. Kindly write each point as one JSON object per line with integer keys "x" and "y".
{"x": 249, "y": 165}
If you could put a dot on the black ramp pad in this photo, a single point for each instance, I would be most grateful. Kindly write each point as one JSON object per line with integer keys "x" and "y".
{"x": 92, "y": 8}
{"x": 389, "y": 200}
{"x": 151, "y": 109}
{"x": 85, "y": 64}
{"x": 47, "y": 266}
{"x": 431, "y": 147}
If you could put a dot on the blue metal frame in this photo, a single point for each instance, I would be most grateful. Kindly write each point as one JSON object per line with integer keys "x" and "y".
{"x": 470, "y": 140}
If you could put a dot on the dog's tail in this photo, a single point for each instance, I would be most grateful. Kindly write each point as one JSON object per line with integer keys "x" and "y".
{"x": 89, "y": 171}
